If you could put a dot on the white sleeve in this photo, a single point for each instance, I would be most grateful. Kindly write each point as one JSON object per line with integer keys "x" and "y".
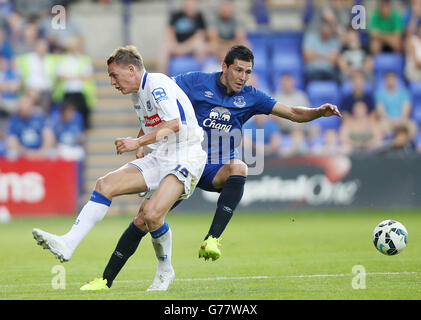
{"x": 165, "y": 99}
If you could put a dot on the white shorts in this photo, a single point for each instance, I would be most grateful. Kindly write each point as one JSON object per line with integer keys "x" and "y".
{"x": 188, "y": 171}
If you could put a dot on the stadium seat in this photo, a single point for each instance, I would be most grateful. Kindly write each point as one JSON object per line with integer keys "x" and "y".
{"x": 347, "y": 87}
{"x": 386, "y": 62}
{"x": 415, "y": 90}
{"x": 416, "y": 113}
{"x": 263, "y": 82}
{"x": 286, "y": 42}
{"x": 326, "y": 123}
{"x": 320, "y": 92}
{"x": 260, "y": 49}
{"x": 183, "y": 64}
{"x": 418, "y": 139}
{"x": 287, "y": 62}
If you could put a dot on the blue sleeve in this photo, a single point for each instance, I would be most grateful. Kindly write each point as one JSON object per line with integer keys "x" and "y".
{"x": 263, "y": 103}
{"x": 186, "y": 80}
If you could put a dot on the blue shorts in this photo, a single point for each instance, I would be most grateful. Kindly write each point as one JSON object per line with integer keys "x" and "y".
{"x": 210, "y": 171}
{"x": 205, "y": 182}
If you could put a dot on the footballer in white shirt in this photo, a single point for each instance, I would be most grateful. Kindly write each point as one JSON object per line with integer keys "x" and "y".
{"x": 169, "y": 163}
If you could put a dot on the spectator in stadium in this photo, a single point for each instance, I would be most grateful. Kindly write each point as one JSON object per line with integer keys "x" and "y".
{"x": 412, "y": 18}
{"x": 6, "y": 49}
{"x": 185, "y": 35}
{"x": 224, "y": 31}
{"x": 413, "y": 56}
{"x": 10, "y": 85}
{"x": 336, "y": 13}
{"x": 29, "y": 135}
{"x": 393, "y": 105}
{"x": 353, "y": 57}
{"x": 24, "y": 33}
{"x": 359, "y": 132}
{"x": 290, "y": 95}
{"x": 15, "y": 29}
{"x": 259, "y": 10}
{"x": 402, "y": 142}
{"x": 320, "y": 52}
{"x": 38, "y": 70}
{"x": 75, "y": 80}
{"x": 328, "y": 143}
{"x": 359, "y": 93}
{"x": 3, "y": 146}
{"x": 69, "y": 133}
{"x": 386, "y": 29}
{"x": 267, "y": 140}
{"x": 294, "y": 143}
{"x": 59, "y": 38}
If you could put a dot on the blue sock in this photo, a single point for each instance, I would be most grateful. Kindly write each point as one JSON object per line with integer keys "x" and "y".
{"x": 126, "y": 246}
{"x": 160, "y": 231}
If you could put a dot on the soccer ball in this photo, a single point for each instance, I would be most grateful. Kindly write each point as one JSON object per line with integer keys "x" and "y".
{"x": 390, "y": 237}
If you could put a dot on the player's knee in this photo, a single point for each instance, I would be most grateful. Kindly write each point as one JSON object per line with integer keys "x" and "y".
{"x": 151, "y": 216}
{"x": 139, "y": 222}
{"x": 102, "y": 186}
{"x": 238, "y": 169}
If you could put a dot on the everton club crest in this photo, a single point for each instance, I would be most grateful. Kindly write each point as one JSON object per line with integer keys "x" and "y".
{"x": 239, "y": 101}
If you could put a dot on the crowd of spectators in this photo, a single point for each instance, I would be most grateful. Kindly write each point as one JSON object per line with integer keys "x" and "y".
{"x": 378, "y": 110}
{"x": 377, "y": 107}
{"x": 47, "y": 88}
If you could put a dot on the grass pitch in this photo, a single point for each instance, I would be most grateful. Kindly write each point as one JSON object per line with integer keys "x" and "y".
{"x": 276, "y": 255}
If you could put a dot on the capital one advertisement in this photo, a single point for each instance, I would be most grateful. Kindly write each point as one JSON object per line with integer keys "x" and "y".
{"x": 38, "y": 187}
{"x": 318, "y": 182}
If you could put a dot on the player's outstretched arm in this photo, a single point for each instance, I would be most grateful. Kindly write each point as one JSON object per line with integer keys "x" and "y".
{"x": 163, "y": 130}
{"x": 303, "y": 114}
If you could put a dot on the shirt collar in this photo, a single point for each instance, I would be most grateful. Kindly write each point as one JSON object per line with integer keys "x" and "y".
{"x": 145, "y": 75}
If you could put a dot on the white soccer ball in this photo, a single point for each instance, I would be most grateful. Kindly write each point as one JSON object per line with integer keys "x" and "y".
{"x": 390, "y": 237}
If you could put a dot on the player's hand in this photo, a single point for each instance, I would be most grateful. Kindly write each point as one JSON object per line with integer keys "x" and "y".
{"x": 328, "y": 110}
{"x": 140, "y": 153}
{"x": 126, "y": 144}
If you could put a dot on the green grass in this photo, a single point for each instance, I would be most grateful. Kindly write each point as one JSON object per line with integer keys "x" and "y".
{"x": 277, "y": 255}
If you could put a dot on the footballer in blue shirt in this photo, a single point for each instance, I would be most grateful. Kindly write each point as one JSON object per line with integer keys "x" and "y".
{"x": 223, "y": 103}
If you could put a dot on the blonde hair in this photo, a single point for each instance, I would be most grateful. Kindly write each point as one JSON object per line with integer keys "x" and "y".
{"x": 125, "y": 56}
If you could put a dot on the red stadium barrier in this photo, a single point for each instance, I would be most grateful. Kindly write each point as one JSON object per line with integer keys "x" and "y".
{"x": 39, "y": 187}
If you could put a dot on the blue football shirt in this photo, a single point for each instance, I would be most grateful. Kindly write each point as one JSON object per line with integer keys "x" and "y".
{"x": 28, "y": 131}
{"x": 222, "y": 115}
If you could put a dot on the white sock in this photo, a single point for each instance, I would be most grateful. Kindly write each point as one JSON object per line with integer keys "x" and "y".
{"x": 93, "y": 212}
{"x": 162, "y": 243}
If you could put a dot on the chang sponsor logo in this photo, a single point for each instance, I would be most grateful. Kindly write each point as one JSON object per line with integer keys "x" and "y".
{"x": 219, "y": 118}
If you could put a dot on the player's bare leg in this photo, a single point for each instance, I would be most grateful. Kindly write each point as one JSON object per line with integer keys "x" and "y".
{"x": 125, "y": 180}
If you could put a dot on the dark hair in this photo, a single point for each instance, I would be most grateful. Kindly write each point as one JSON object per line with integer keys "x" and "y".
{"x": 239, "y": 52}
